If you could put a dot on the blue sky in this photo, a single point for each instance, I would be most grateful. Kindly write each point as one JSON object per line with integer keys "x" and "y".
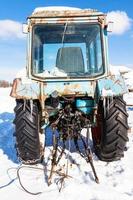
{"x": 13, "y": 45}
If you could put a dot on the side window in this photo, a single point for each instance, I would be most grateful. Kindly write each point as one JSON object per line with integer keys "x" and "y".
{"x": 38, "y": 55}
{"x": 92, "y": 58}
{"x": 98, "y": 48}
{"x": 95, "y": 52}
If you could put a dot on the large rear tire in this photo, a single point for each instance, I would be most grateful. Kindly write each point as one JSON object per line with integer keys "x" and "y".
{"x": 110, "y": 134}
{"x": 27, "y": 131}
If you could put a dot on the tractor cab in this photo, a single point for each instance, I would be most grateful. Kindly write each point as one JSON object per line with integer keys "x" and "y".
{"x": 67, "y": 44}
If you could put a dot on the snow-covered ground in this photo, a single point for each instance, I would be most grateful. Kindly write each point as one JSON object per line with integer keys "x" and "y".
{"x": 126, "y": 72}
{"x": 116, "y": 178}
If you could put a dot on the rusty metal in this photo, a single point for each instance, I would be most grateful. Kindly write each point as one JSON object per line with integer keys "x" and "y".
{"x": 69, "y": 124}
{"x": 14, "y": 89}
{"x": 62, "y": 16}
{"x": 42, "y": 96}
{"x": 130, "y": 89}
{"x": 54, "y": 156}
{"x": 65, "y": 13}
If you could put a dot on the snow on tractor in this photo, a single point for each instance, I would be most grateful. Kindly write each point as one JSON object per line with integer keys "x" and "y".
{"x": 69, "y": 87}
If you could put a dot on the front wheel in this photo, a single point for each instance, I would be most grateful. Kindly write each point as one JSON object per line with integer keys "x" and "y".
{"x": 110, "y": 134}
{"x": 27, "y": 132}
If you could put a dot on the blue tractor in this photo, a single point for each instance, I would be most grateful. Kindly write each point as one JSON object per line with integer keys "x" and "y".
{"x": 69, "y": 86}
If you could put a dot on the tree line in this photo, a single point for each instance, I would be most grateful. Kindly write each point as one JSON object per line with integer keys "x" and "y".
{"x": 5, "y": 84}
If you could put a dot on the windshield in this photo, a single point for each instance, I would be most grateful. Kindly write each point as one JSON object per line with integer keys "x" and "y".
{"x": 62, "y": 50}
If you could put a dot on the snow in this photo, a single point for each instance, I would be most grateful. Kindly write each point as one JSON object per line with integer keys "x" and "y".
{"x": 55, "y": 72}
{"x": 6, "y": 102}
{"x": 126, "y": 72}
{"x": 115, "y": 178}
{"x": 129, "y": 79}
{"x": 129, "y": 98}
{"x": 119, "y": 69}
{"x": 21, "y": 73}
{"x": 54, "y": 8}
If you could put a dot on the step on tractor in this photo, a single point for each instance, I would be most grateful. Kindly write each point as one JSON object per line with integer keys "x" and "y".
{"x": 68, "y": 88}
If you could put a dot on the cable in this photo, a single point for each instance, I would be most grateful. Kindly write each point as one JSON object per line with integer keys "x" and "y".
{"x": 37, "y": 168}
{"x": 19, "y": 178}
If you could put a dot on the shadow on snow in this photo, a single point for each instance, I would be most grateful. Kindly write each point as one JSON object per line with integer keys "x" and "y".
{"x": 6, "y": 136}
{"x": 7, "y": 141}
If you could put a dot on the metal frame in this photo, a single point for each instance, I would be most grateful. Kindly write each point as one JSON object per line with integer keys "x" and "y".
{"x": 93, "y": 19}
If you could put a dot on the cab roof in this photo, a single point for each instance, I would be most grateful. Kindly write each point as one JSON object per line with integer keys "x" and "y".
{"x": 60, "y": 11}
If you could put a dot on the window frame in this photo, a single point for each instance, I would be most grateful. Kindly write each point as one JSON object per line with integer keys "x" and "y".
{"x": 37, "y": 77}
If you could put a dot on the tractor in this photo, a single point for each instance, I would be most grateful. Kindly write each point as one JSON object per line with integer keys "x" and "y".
{"x": 69, "y": 87}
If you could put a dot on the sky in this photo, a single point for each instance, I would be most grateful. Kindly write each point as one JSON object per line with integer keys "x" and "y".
{"x": 13, "y": 14}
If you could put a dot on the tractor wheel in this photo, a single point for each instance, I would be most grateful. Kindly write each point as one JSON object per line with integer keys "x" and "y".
{"x": 110, "y": 134}
{"x": 27, "y": 132}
